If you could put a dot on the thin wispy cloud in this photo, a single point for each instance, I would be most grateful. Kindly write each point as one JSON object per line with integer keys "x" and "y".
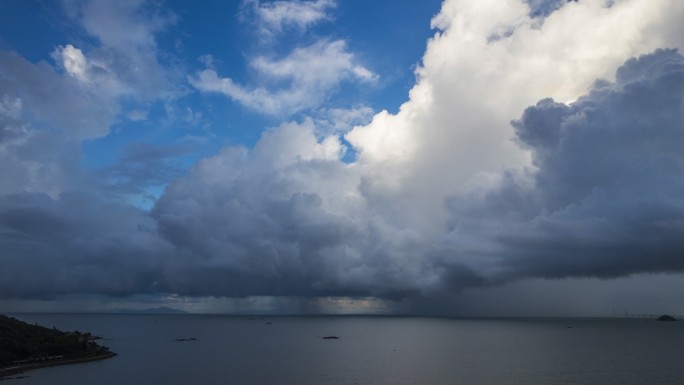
{"x": 299, "y": 81}
{"x": 303, "y": 78}
{"x": 275, "y": 17}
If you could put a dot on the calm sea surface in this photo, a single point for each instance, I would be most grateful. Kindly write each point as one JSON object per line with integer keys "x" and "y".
{"x": 370, "y": 350}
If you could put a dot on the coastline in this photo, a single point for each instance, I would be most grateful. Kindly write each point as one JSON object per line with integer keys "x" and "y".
{"x": 57, "y": 362}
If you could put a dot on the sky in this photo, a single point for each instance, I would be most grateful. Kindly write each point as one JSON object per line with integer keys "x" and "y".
{"x": 458, "y": 158}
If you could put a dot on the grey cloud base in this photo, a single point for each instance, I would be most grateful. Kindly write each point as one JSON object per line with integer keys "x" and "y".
{"x": 604, "y": 198}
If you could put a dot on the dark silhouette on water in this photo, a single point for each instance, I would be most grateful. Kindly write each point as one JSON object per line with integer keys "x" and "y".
{"x": 24, "y": 347}
{"x": 666, "y": 317}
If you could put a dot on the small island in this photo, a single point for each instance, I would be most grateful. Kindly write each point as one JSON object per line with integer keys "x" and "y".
{"x": 25, "y": 347}
{"x": 666, "y": 318}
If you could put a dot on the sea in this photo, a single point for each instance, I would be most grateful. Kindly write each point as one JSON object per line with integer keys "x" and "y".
{"x": 373, "y": 350}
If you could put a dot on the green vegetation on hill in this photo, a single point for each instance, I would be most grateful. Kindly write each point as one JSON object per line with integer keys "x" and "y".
{"x": 21, "y": 343}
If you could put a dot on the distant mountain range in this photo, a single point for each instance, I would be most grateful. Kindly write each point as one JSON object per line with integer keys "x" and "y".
{"x": 154, "y": 310}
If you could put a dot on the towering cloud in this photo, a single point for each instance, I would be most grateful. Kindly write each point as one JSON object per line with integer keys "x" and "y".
{"x": 488, "y": 61}
{"x": 448, "y": 147}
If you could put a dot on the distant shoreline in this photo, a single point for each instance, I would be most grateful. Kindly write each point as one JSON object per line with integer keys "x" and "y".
{"x": 56, "y": 362}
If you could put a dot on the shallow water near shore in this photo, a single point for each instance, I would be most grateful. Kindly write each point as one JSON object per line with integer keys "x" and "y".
{"x": 369, "y": 350}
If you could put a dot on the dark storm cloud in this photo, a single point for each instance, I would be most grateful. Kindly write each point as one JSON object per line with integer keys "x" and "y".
{"x": 75, "y": 244}
{"x": 607, "y": 197}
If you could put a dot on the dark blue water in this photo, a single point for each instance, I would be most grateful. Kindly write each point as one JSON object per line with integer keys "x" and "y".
{"x": 370, "y": 350}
